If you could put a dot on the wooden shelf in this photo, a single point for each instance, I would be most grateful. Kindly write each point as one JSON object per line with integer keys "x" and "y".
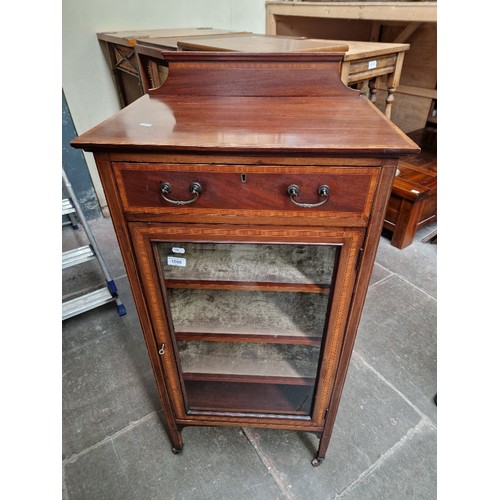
{"x": 249, "y": 286}
{"x": 209, "y": 377}
{"x": 254, "y": 396}
{"x": 237, "y": 337}
{"x": 249, "y": 359}
{"x": 258, "y": 266}
{"x": 371, "y": 11}
{"x": 248, "y": 313}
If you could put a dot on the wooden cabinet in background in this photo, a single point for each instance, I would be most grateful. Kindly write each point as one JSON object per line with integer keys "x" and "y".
{"x": 413, "y": 202}
{"x": 248, "y": 195}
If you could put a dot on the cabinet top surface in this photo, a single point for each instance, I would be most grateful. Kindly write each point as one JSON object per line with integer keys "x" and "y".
{"x": 321, "y": 124}
{"x": 237, "y": 102}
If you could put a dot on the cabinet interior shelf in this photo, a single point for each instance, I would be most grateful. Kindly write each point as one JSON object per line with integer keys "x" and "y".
{"x": 242, "y": 360}
{"x": 261, "y": 378}
{"x": 252, "y": 286}
{"x": 257, "y": 338}
{"x": 248, "y": 313}
{"x": 251, "y": 379}
{"x": 236, "y": 266}
{"x": 250, "y": 394}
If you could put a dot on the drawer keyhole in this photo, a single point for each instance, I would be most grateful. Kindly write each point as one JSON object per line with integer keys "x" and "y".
{"x": 243, "y": 178}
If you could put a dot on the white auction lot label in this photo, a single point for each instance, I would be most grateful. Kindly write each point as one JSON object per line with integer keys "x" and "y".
{"x": 176, "y": 261}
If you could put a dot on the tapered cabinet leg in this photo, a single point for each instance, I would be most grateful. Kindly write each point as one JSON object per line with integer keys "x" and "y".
{"x": 324, "y": 441}
{"x": 176, "y": 440}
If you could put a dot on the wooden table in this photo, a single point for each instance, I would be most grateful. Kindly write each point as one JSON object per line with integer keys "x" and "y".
{"x": 119, "y": 48}
{"x": 388, "y": 21}
{"x": 365, "y": 63}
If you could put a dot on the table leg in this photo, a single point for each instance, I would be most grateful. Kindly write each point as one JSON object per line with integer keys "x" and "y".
{"x": 393, "y": 83}
{"x": 389, "y": 100}
{"x": 117, "y": 77}
{"x": 364, "y": 88}
{"x": 407, "y": 223}
{"x": 344, "y": 72}
{"x": 372, "y": 85}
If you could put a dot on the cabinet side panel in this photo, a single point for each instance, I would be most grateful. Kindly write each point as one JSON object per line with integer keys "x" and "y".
{"x": 105, "y": 171}
{"x": 360, "y": 289}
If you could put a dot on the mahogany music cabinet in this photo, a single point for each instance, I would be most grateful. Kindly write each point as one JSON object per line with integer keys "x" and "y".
{"x": 248, "y": 194}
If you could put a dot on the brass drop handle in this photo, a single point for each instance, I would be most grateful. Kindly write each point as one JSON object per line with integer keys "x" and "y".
{"x": 166, "y": 188}
{"x": 294, "y": 191}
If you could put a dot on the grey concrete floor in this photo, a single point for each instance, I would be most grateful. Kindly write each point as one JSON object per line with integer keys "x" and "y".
{"x": 383, "y": 444}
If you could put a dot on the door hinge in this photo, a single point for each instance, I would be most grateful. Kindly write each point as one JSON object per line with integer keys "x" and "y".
{"x": 360, "y": 254}
{"x": 326, "y": 413}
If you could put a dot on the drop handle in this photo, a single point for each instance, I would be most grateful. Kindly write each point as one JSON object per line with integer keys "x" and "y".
{"x": 166, "y": 188}
{"x": 294, "y": 191}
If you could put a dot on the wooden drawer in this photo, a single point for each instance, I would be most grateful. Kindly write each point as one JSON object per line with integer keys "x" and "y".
{"x": 246, "y": 190}
{"x": 371, "y": 67}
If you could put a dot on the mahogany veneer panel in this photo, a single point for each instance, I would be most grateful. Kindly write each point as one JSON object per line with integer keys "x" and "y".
{"x": 216, "y": 124}
{"x": 264, "y": 188}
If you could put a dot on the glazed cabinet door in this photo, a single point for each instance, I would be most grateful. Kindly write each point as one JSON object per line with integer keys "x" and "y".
{"x": 248, "y": 321}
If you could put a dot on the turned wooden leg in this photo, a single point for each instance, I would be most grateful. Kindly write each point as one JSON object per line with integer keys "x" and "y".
{"x": 393, "y": 83}
{"x": 364, "y": 88}
{"x": 389, "y": 100}
{"x": 373, "y": 90}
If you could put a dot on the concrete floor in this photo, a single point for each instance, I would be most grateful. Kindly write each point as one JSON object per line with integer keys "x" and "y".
{"x": 383, "y": 444}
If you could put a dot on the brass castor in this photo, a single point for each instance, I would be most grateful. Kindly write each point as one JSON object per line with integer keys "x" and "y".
{"x": 176, "y": 451}
{"x": 317, "y": 461}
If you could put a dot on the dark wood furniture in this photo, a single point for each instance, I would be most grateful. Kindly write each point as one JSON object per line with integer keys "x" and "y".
{"x": 413, "y": 202}
{"x": 365, "y": 64}
{"x": 248, "y": 195}
{"x": 153, "y": 67}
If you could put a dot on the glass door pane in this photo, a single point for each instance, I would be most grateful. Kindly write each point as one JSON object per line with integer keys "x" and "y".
{"x": 249, "y": 320}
